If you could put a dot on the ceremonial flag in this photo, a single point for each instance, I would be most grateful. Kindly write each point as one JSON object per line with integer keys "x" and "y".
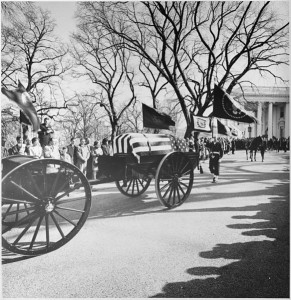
{"x": 214, "y": 127}
{"x": 178, "y": 144}
{"x": 225, "y": 107}
{"x": 201, "y": 124}
{"x": 223, "y": 129}
{"x": 24, "y": 119}
{"x": 234, "y": 131}
{"x": 21, "y": 97}
{"x": 142, "y": 144}
{"x": 152, "y": 118}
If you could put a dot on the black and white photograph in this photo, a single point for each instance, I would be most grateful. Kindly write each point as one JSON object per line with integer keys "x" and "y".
{"x": 145, "y": 149}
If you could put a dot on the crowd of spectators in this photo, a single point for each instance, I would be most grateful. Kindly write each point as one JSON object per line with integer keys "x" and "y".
{"x": 82, "y": 155}
{"x": 85, "y": 156}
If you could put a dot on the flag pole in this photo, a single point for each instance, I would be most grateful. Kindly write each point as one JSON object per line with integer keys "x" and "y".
{"x": 214, "y": 127}
{"x": 21, "y": 130}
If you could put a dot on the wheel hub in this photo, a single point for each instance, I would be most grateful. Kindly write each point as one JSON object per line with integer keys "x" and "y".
{"x": 175, "y": 179}
{"x": 49, "y": 207}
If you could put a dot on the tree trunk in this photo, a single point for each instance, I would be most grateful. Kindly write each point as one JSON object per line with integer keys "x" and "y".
{"x": 190, "y": 127}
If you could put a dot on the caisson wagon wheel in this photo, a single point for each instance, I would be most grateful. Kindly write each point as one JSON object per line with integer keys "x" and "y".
{"x": 133, "y": 187}
{"x": 44, "y": 204}
{"x": 174, "y": 179}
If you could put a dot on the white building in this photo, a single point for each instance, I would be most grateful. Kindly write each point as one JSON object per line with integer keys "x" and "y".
{"x": 270, "y": 106}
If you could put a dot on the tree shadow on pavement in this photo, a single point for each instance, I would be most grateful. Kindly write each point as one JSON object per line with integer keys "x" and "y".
{"x": 118, "y": 205}
{"x": 262, "y": 269}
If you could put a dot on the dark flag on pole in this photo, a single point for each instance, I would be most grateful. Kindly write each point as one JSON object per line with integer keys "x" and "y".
{"x": 24, "y": 119}
{"x": 222, "y": 129}
{"x": 225, "y": 107}
{"x": 21, "y": 97}
{"x": 152, "y": 118}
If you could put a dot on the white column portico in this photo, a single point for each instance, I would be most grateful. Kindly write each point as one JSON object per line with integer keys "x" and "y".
{"x": 270, "y": 120}
{"x": 270, "y": 105}
{"x": 287, "y": 124}
{"x": 259, "y": 117}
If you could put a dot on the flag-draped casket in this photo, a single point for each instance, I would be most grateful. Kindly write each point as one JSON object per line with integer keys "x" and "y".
{"x": 139, "y": 153}
{"x": 140, "y": 144}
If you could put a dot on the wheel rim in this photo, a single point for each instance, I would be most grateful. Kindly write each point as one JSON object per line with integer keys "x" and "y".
{"x": 134, "y": 187}
{"x": 44, "y": 204}
{"x": 174, "y": 179}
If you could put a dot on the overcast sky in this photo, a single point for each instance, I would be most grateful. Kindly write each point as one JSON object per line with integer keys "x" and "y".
{"x": 63, "y": 13}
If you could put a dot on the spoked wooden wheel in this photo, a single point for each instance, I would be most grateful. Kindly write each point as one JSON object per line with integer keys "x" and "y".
{"x": 174, "y": 179}
{"x": 133, "y": 187}
{"x": 44, "y": 204}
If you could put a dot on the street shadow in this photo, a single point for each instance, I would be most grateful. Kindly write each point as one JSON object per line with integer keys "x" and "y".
{"x": 118, "y": 205}
{"x": 262, "y": 268}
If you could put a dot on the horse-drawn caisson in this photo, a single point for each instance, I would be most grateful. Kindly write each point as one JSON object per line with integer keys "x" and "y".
{"x": 45, "y": 202}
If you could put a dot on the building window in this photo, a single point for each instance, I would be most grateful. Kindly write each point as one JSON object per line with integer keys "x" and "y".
{"x": 281, "y": 112}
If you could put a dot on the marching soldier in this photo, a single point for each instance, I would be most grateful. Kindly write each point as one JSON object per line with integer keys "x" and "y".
{"x": 216, "y": 153}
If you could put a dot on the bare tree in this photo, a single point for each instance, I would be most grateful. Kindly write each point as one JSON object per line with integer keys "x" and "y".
{"x": 194, "y": 44}
{"x": 246, "y": 37}
{"x": 152, "y": 80}
{"x": 83, "y": 118}
{"x": 131, "y": 120}
{"x": 105, "y": 64}
{"x": 12, "y": 10}
{"x": 31, "y": 53}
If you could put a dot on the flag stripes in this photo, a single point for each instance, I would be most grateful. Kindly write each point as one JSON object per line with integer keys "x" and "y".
{"x": 147, "y": 144}
{"x": 121, "y": 144}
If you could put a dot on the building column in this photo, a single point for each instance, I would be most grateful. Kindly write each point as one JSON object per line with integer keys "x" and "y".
{"x": 259, "y": 117}
{"x": 270, "y": 121}
{"x": 286, "y": 117}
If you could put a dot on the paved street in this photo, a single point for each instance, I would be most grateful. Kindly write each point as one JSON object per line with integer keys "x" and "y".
{"x": 230, "y": 239}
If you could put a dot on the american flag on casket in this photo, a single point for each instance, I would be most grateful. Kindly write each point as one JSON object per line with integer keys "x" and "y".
{"x": 140, "y": 144}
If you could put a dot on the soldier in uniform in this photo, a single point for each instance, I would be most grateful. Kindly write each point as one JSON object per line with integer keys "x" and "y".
{"x": 216, "y": 153}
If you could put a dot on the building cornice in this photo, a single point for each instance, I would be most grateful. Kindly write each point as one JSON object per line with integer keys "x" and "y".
{"x": 263, "y": 93}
